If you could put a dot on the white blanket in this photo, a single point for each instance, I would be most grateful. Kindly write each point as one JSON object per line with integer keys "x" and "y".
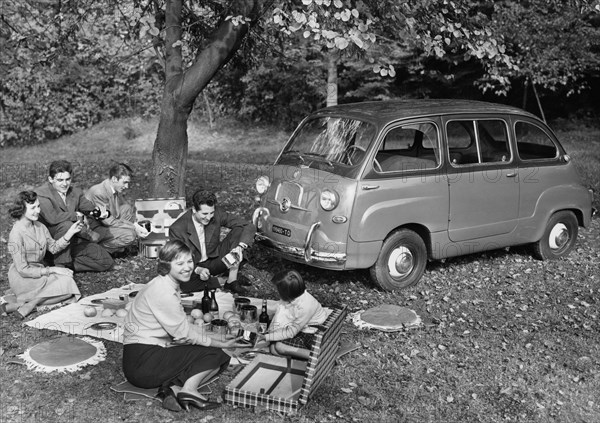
{"x": 70, "y": 319}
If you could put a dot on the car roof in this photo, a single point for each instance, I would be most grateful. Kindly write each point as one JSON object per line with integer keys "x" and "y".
{"x": 382, "y": 112}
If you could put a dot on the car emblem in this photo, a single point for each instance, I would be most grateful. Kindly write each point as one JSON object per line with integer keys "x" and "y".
{"x": 285, "y": 205}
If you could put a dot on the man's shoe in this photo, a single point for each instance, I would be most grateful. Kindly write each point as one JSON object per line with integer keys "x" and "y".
{"x": 235, "y": 287}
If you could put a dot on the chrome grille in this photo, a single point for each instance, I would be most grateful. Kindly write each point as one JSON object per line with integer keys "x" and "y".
{"x": 290, "y": 190}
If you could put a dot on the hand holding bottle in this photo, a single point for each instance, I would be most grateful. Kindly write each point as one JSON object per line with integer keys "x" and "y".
{"x": 75, "y": 228}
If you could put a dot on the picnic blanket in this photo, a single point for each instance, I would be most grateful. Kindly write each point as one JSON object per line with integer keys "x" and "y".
{"x": 71, "y": 319}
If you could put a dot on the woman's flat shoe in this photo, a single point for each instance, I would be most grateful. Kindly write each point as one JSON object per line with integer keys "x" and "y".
{"x": 186, "y": 400}
{"x": 169, "y": 400}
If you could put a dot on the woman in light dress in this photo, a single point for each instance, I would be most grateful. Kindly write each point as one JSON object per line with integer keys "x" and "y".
{"x": 31, "y": 281}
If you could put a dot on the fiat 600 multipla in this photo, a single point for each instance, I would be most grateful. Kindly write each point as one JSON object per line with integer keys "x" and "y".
{"x": 388, "y": 185}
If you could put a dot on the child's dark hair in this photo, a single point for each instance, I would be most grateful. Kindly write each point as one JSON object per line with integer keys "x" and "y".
{"x": 289, "y": 284}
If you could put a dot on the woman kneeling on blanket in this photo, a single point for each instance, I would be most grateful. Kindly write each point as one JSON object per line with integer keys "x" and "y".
{"x": 32, "y": 282}
{"x": 161, "y": 347}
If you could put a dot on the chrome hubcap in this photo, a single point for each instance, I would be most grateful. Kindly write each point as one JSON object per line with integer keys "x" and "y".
{"x": 401, "y": 262}
{"x": 559, "y": 236}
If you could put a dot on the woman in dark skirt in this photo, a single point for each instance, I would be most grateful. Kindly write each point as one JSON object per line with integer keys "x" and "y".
{"x": 161, "y": 347}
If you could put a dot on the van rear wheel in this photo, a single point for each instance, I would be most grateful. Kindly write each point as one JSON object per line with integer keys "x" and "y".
{"x": 559, "y": 236}
{"x": 401, "y": 261}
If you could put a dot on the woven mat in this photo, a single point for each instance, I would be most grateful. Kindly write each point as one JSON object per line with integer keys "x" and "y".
{"x": 387, "y": 318}
{"x": 63, "y": 354}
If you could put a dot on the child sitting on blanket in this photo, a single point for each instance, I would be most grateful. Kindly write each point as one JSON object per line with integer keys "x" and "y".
{"x": 290, "y": 331}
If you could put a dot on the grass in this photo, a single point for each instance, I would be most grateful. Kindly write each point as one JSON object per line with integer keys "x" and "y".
{"x": 513, "y": 340}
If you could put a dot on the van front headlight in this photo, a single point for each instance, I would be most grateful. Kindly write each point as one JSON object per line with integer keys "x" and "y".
{"x": 329, "y": 199}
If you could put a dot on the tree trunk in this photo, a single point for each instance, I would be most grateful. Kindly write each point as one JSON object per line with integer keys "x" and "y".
{"x": 332, "y": 79}
{"x": 169, "y": 157}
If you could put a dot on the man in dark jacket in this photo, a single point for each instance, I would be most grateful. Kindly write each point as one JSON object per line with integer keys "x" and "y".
{"x": 200, "y": 229}
{"x": 60, "y": 206}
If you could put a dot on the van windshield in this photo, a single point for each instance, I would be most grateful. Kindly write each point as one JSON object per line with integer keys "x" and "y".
{"x": 335, "y": 142}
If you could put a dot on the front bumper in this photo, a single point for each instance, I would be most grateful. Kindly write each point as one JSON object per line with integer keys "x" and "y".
{"x": 306, "y": 254}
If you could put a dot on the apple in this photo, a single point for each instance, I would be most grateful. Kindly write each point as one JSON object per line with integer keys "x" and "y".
{"x": 90, "y": 311}
{"x": 227, "y": 315}
{"x": 207, "y": 317}
{"x": 107, "y": 312}
{"x": 121, "y": 312}
{"x": 196, "y": 314}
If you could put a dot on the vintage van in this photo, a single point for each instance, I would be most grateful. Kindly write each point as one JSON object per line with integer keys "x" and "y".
{"x": 389, "y": 185}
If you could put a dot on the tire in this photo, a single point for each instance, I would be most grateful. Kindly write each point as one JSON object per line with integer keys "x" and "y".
{"x": 559, "y": 236}
{"x": 401, "y": 261}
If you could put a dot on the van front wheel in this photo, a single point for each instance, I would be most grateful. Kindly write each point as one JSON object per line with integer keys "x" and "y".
{"x": 401, "y": 261}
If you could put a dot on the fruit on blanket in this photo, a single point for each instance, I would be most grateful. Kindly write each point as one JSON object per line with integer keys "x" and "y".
{"x": 207, "y": 317}
{"x": 227, "y": 315}
{"x": 234, "y": 323}
{"x": 190, "y": 318}
{"x": 90, "y": 311}
{"x": 121, "y": 312}
{"x": 107, "y": 312}
{"x": 196, "y": 313}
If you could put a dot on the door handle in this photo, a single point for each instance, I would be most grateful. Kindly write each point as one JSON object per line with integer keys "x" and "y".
{"x": 369, "y": 187}
{"x": 512, "y": 175}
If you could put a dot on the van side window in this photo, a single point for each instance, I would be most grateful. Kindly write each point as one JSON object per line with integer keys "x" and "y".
{"x": 409, "y": 147}
{"x": 493, "y": 141}
{"x": 533, "y": 143}
{"x": 461, "y": 142}
{"x": 478, "y": 141}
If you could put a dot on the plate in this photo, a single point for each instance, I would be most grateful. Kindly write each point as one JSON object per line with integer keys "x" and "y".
{"x": 248, "y": 355}
{"x": 103, "y": 326}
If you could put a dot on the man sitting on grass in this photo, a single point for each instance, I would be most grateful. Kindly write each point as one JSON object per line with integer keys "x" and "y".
{"x": 200, "y": 229}
{"x": 119, "y": 230}
{"x": 60, "y": 206}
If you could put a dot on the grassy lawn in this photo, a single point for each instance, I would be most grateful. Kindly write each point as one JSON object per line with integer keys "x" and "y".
{"x": 514, "y": 339}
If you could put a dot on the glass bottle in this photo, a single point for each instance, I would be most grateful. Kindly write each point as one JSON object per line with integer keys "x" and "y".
{"x": 263, "y": 319}
{"x": 206, "y": 301}
{"x": 214, "y": 307}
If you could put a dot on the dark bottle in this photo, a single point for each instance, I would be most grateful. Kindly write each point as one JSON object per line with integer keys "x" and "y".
{"x": 206, "y": 301}
{"x": 214, "y": 307}
{"x": 263, "y": 319}
{"x": 96, "y": 213}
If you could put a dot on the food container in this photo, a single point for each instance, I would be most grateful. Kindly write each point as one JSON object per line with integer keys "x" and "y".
{"x": 150, "y": 250}
{"x": 113, "y": 304}
{"x": 219, "y": 326}
{"x": 238, "y": 303}
{"x": 249, "y": 314}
